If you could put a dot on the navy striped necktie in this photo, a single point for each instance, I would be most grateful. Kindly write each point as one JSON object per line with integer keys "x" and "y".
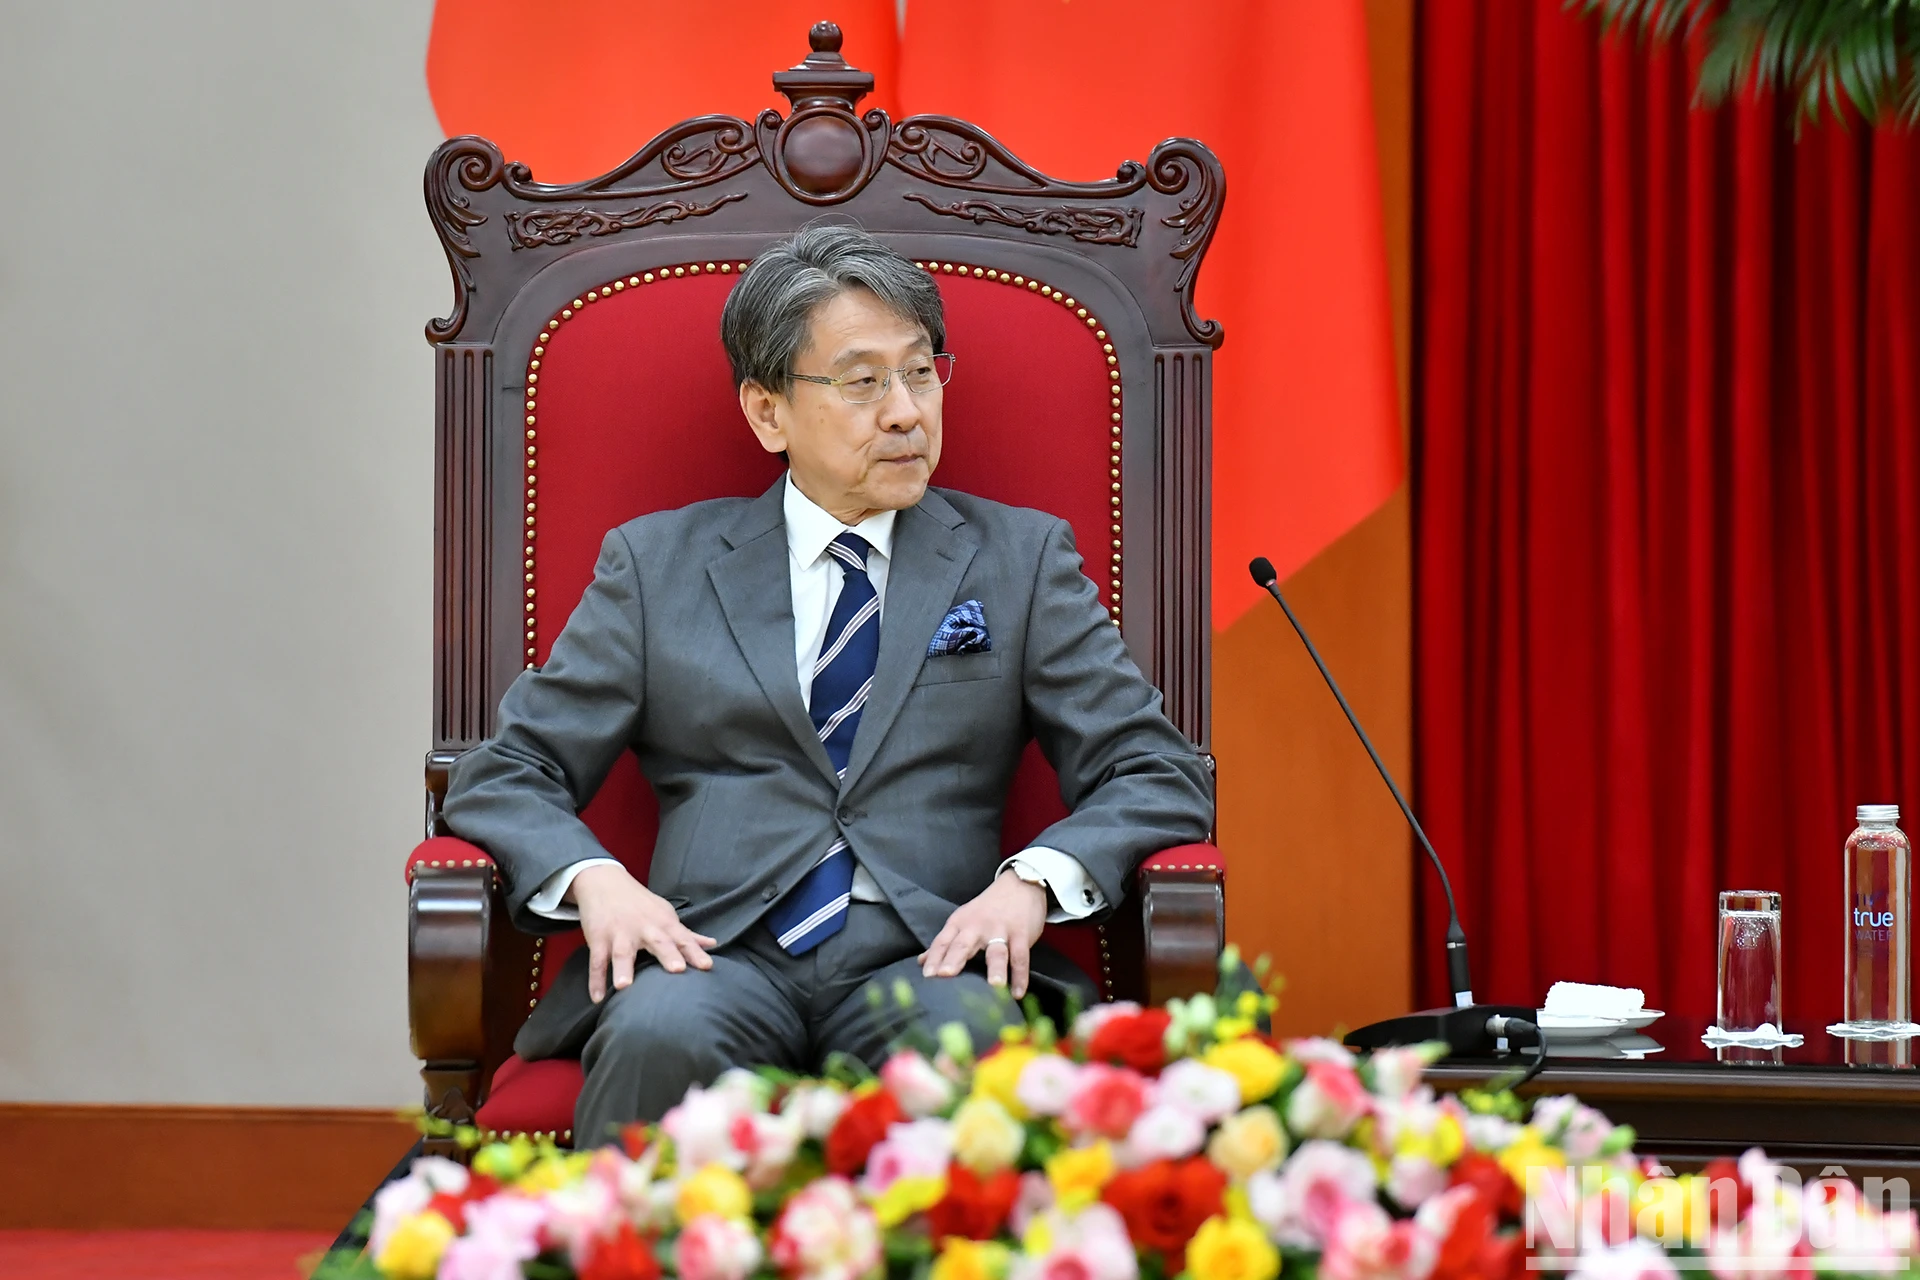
{"x": 816, "y": 908}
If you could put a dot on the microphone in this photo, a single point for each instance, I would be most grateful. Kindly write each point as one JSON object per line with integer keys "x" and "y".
{"x": 1467, "y": 1027}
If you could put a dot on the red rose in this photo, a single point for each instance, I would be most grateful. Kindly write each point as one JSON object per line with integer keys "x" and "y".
{"x": 974, "y": 1207}
{"x": 1484, "y": 1174}
{"x": 624, "y": 1255}
{"x": 1165, "y": 1202}
{"x": 1137, "y": 1040}
{"x": 451, "y": 1207}
{"x": 859, "y": 1128}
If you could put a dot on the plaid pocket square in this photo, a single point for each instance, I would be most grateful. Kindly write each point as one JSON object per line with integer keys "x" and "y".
{"x": 963, "y": 630}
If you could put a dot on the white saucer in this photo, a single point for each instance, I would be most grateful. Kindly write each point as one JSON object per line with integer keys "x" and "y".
{"x": 1644, "y": 1018}
{"x": 1580, "y": 1026}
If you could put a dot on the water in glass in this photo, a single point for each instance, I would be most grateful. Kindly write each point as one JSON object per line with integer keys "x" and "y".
{"x": 1750, "y": 962}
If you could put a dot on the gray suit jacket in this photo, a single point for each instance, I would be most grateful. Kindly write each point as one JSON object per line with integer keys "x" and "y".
{"x": 682, "y": 651}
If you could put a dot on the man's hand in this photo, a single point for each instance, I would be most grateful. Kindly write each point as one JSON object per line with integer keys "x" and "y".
{"x": 621, "y": 917}
{"x": 1005, "y": 922}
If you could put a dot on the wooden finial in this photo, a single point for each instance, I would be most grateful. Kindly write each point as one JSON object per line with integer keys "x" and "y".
{"x": 824, "y": 79}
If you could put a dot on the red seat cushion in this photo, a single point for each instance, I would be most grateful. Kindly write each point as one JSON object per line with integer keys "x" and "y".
{"x": 532, "y": 1097}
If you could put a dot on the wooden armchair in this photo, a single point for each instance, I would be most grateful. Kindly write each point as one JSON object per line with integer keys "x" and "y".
{"x": 581, "y": 382}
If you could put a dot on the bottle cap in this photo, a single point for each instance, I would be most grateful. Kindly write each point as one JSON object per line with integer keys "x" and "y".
{"x": 1877, "y": 813}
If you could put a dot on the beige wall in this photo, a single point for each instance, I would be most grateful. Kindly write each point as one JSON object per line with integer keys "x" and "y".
{"x": 214, "y": 572}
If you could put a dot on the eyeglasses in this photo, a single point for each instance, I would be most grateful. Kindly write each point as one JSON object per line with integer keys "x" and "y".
{"x": 865, "y": 383}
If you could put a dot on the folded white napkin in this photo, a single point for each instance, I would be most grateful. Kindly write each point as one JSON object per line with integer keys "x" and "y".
{"x": 1875, "y": 1031}
{"x": 1764, "y": 1036}
{"x": 1585, "y": 1000}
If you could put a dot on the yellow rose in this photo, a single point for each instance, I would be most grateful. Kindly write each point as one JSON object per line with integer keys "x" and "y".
{"x": 413, "y": 1251}
{"x": 1442, "y": 1144}
{"x": 963, "y": 1259}
{"x": 715, "y": 1189}
{"x": 1529, "y": 1152}
{"x": 1078, "y": 1173}
{"x": 1246, "y": 1143}
{"x": 998, "y": 1076}
{"x": 986, "y": 1139}
{"x": 1231, "y": 1249}
{"x": 907, "y": 1196}
{"x": 505, "y": 1161}
{"x": 553, "y": 1170}
{"x": 1256, "y": 1066}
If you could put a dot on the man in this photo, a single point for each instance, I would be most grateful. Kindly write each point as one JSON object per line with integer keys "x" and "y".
{"x": 829, "y": 688}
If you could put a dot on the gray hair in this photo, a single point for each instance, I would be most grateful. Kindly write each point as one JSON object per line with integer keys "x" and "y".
{"x": 764, "y": 325}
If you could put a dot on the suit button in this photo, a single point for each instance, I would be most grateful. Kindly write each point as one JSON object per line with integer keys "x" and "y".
{"x": 769, "y": 893}
{"x": 845, "y": 815}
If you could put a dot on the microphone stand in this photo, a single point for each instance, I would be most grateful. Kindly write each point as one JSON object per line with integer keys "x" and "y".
{"x": 1469, "y": 1029}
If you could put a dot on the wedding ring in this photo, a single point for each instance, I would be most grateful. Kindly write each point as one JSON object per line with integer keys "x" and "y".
{"x": 1001, "y": 941}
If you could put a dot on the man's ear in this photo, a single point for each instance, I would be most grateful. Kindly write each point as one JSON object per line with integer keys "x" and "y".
{"x": 762, "y": 410}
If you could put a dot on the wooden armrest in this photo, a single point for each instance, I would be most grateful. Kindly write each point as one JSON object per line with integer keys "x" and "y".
{"x": 1183, "y": 921}
{"x": 466, "y": 976}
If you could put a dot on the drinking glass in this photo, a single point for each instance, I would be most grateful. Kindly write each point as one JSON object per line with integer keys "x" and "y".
{"x": 1750, "y": 965}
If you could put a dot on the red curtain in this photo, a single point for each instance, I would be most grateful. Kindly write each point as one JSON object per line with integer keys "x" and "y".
{"x": 1667, "y": 458}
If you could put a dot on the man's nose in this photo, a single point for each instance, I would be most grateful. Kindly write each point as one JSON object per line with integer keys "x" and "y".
{"x": 899, "y": 407}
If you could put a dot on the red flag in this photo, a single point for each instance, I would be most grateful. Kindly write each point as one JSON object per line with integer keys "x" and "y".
{"x": 1306, "y": 415}
{"x": 573, "y": 89}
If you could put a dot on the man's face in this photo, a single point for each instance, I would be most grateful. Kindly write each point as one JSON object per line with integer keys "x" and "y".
{"x": 853, "y": 460}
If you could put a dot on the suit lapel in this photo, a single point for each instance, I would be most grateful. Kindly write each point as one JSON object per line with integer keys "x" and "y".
{"x": 931, "y": 552}
{"x": 756, "y": 594}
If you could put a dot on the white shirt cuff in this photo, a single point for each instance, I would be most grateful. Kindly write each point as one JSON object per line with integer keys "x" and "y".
{"x": 1075, "y": 895}
{"x": 546, "y": 900}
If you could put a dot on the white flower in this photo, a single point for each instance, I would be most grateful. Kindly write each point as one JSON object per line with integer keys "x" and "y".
{"x": 1489, "y": 1133}
{"x": 1206, "y": 1093}
{"x": 816, "y": 1106}
{"x": 1320, "y": 1049}
{"x": 1035, "y": 1198}
{"x": 1092, "y": 1243}
{"x": 915, "y": 1084}
{"x": 1396, "y": 1071}
{"x": 769, "y": 1142}
{"x": 578, "y": 1214}
{"x": 716, "y": 1248}
{"x": 744, "y": 1090}
{"x": 1046, "y": 1083}
{"x": 701, "y": 1127}
{"x": 393, "y": 1204}
{"x": 1163, "y": 1132}
{"x": 1635, "y": 1259}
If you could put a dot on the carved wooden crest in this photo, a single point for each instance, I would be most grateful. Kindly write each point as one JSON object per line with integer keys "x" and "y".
{"x": 1153, "y": 220}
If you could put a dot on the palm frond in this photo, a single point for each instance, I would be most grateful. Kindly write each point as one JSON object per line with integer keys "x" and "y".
{"x": 1825, "y": 54}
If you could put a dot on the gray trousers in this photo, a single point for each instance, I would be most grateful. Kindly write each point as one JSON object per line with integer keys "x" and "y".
{"x": 760, "y": 1006}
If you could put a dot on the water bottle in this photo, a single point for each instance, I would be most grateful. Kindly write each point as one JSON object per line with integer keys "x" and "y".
{"x": 1878, "y": 882}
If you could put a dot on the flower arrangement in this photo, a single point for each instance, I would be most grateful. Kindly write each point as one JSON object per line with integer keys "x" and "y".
{"x": 1144, "y": 1144}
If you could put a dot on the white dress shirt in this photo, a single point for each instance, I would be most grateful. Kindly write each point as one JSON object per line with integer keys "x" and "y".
{"x": 816, "y": 579}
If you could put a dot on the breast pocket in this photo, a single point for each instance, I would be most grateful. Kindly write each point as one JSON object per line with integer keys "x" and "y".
{"x": 958, "y": 667}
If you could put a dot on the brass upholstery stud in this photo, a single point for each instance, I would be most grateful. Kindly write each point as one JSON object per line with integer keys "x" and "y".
{"x": 553, "y": 324}
{"x": 1021, "y": 280}
{"x": 679, "y": 271}
{"x": 649, "y": 277}
{"x": 636, "y": 279}
{"x": 1116, "y": 418}
{"x": 725, "y": 269}
{"x": 947, "y": 267}
{"x": 529, "y": 419}
{"x": 1069, "y": 301}
{"x": 593, "y": 295}
{"x": 1113, "y": 359}
{"x": 977, "y": 273}
{"x": 693, "y": 270}
{"x": 743, "y": 266}
{"x": 1033, "y": 284}
{"x": 619, "y": 285}
{"x": 1116, "y": 489}
{"x": 1100, "y": 334}
{"x": 710, "y": 266}
{"x": 921, "y": 265}
{"x": 1116, "y": 402}
{"x": 1082, "y": 313}
{"x": 531, "y": 379}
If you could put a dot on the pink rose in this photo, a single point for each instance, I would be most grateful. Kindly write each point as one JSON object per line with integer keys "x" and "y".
{"x": 1413, "y": 1180}
{"x": 916, "y": 1149}
{"x": 485, "y": 1257}
{"x": 1090, "y": 1245}
{"x": 1300, "y": 1204}
{"x": 701, "y": 1127}
{"x": 1368, "y": 1245}
{"x": 1046, "y": 1084}
{"x": 915, "y": 1084}
{"x": 1397, "y": 1071}
{"x": 1206, "y": 1093}
{"x": 1106, "y": 1100}
{"x": 1328, "y": 1103}
{"x": 825, "y": 1233}
{"x": 715, "y": 1248}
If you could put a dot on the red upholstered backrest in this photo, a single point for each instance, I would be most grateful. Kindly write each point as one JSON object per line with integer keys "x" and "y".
{"x": 631, "y": 409}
